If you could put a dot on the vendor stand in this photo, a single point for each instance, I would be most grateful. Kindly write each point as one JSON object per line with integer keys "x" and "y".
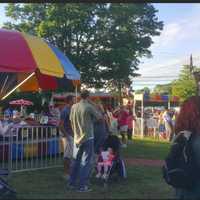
{"x": 30, "y": 64}
{"x": 143, "y": 120}
{"x": 107, "y": 99}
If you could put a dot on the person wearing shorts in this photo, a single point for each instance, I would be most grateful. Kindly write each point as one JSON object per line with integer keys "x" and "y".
{"x": 122, "y": 116}
{"x": 65, "y": 128}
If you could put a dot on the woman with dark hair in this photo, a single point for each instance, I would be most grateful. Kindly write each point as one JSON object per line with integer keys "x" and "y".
{"x": 100, "y": 129}
{"x": 189, "y": 120}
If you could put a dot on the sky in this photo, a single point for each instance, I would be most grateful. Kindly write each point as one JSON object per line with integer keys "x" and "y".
{"x": 171, "y": 50}
{"x": 179, "y": 39}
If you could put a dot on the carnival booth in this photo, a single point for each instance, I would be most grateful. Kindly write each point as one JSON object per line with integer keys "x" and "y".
{"x": 146, "y": 107}
{"x": 107, "y": 99}
{"x": 30, "y": 64}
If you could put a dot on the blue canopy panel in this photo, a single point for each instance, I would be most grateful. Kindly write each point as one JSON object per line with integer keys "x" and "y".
{"x": 70, "y": 71}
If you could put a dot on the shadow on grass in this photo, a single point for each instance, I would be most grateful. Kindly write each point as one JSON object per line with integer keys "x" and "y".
{"x": 147, "y": 148}
{"x": 142, "y": 183}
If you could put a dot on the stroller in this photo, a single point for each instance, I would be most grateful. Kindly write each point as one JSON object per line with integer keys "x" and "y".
{"x": 117, "y": 171}
{"x": 6, "y": 192}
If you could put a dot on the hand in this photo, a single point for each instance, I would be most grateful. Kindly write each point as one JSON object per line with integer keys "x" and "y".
{"x": 91, "y": 102}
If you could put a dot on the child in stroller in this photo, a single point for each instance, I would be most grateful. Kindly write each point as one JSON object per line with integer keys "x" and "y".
{"x": 105, "y": 162}
{"x": 109, "y": 160}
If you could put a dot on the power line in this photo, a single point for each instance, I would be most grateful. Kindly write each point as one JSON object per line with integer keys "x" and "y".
{"x": 165, "y": 54}
{"x": 155, "y": 76}
{"x": 180, "y": 64}
{"x": 149, "y": 83}
{"x": 152, "y": 81}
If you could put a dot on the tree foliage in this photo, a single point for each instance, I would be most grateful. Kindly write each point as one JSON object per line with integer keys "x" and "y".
{"x": 163, "y": 89}
{"x": 105, "y": 41}
{"x": 185, "y": 86}
{"x": 145, "y": 90}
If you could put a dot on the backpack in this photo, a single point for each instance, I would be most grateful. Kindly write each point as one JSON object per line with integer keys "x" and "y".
{"x": 180, "y": 169}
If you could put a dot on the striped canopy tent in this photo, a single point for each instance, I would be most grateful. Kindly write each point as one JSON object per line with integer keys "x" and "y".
{"x": 21, "y": 102}
{"x": 29, "y": 63}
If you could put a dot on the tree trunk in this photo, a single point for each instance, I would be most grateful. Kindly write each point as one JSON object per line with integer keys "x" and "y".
{"x": 120, "y": 93}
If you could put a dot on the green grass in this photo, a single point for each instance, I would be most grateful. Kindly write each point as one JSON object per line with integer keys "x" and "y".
{"x": 147, "y": 148}
{"x": 142, "y": 182}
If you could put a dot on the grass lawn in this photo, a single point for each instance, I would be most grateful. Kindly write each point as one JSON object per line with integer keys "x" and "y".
{"x": 147, "y": 148}
{"x": 142, "y": 182}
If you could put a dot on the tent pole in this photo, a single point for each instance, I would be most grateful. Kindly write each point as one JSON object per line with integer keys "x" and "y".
{"x": 18, "y": 86}
{"x": 76, "y": 91}
{"x": 142, "y": 118}
{"x": 4, "y": 84}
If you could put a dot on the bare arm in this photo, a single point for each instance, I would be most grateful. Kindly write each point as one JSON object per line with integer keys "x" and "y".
{"x": 115, "y": 111}
{"x": 62, "y": 128}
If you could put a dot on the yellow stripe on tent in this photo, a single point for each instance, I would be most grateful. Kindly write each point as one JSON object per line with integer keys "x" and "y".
{"x": 46, "y": 60}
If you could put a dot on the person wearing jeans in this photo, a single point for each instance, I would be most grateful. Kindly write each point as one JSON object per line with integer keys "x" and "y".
{"x": 82, "y": 165}
{"x": 82, "y": 117}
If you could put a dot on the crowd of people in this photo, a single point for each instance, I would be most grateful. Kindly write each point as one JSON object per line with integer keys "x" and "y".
{"x": 161, "y": 123}
{"x": 85, "y": 127}
{"x": 89, "y": 124}
{"x": 49, "y": 115}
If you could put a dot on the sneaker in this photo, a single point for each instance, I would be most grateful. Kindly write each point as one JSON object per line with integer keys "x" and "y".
{"x": 104, "y": 176}
{"x": 66, "y": 177}
{"x": 98, "y": 175}
{"x": 85, "y": 189}
{"x": 124, "y": 145}
{"x": 71, "y": 187}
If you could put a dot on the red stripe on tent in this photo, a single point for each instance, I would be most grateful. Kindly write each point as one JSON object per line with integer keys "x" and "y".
{"x": 15, "y": 55}
{"x": 46, "y": 82}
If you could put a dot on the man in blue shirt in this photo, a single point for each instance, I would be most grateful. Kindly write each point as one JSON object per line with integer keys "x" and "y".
{"x": 65, "y": 127}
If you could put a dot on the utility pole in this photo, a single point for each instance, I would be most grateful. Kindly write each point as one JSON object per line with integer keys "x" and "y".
{"x": 196, "y": 75}
{"x": 191, "y": 65}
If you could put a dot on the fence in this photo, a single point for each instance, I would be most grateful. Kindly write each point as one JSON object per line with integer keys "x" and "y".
{"x": 138, "y": 127}
{"x": 31, "y": 147}
{"x": 146, "y": 127}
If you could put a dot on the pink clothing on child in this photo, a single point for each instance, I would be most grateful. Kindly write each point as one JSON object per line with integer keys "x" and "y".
{"x": 108, "y": 160}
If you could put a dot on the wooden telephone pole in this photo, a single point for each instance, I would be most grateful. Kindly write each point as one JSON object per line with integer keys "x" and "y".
{"x": 196, "y": 75}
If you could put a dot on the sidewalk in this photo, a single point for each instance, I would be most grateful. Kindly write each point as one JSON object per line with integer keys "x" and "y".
{"x": 144, "y": 162}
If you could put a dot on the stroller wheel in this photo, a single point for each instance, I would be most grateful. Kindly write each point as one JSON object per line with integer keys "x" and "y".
{"x": 105, "y": 185}
{"x": 5, "y": 194}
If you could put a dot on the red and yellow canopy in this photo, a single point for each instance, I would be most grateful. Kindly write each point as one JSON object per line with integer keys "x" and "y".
{"x": 30, "y": 59}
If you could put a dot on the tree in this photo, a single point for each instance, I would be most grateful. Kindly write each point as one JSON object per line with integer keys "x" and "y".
{"x": 185, "y": 86}
{"x": 104, "y": 41}
{"x": 145, "y": 90}
{"x": 129, "y": 29}
{"x": 163, "y": 89}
